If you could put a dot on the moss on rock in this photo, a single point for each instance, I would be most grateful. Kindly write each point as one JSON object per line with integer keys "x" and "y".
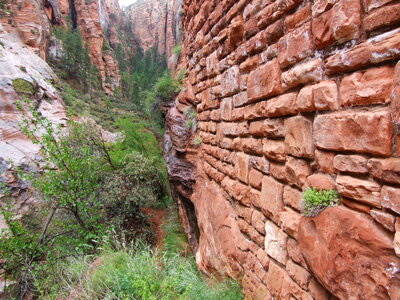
{"x": 23, "y": 86}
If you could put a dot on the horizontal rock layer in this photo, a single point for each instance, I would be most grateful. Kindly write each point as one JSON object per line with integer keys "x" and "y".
{"x": 291, "y": 94}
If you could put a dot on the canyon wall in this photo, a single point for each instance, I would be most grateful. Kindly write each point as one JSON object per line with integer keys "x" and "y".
{"x": 26, "y": 43}
{"x": 31, "y": 21}
{"x": 291, "y": 94}
{"x": 156, "y": 22}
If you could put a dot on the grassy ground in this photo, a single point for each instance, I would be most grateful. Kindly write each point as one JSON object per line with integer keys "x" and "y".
{"x": 137, "y": 271}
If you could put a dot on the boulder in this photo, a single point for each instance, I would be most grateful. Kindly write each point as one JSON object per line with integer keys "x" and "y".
{"x": 350, "y": 255}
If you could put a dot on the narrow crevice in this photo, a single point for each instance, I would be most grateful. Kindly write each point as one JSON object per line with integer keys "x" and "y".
{"x": 73, "y": 14}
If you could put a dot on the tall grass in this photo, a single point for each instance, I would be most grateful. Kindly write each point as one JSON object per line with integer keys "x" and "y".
{"x": 138, "y": 272}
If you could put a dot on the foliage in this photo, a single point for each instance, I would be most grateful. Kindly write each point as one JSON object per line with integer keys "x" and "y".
{"x": 140, "y": 139}
{"x": 177, "y": 50}
{"x": 317, "y": 200}
{"x": 75, "y": 61}
{"x": 19, "y": 249}
{"x": 166, "y": 86}
{"x": 197, "y": 141}
{"x": 190, "y": 115}
{"x": 88, "y": 186}
{"x": 135, "y": 271}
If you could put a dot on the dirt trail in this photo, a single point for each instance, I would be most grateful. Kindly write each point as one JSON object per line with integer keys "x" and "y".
{"x": 156, "y": 219}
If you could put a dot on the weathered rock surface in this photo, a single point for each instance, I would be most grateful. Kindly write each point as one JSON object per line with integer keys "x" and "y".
{"x": 156, "y": 23}
{"x": 341, "y": 249}
{"x": 291, "y": 95}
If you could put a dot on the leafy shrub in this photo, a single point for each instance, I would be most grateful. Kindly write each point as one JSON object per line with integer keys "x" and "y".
{"x": 138, "y": 272}
{"x": 166, "y": 86}
{"x": 317, "y": 200}
{"x": 177, "y": 49}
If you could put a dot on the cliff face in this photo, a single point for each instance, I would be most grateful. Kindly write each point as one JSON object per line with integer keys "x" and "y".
{"x": 291, "y": 94}
{"x": 31, "y": 20}
{"x": 93, "y": 19}
{"x": 156, "y": 21}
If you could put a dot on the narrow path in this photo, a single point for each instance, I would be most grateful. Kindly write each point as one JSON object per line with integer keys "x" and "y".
{"x": 156, "y": 219}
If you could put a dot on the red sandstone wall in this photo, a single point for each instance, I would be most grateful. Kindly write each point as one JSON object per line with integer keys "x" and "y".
{"x": 291, "y": 94}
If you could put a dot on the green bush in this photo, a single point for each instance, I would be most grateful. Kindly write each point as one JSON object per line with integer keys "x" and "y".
{"x": 177, "y": 49}
{"x": 166, "y": 87}
{"x": 138, "y": 272}
{"x": 317, "y": 200}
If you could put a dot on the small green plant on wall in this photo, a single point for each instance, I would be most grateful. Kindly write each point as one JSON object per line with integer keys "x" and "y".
{"x": 197, "y": 141}
{"x": 317, "y": 200}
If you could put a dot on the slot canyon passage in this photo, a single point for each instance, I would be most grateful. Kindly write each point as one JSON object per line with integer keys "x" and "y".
{"x": 200, "y": 149}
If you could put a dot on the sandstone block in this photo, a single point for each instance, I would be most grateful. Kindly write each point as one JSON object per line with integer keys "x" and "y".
{"x": 237, "y": 190}
{"x": 357, "y": 206}
{"x": 271, "y": 198}
{"x": 212, "y": 64}
{"x": 385, "y": 16}
{"x": 234, "y": 129}
{"x": 341, "y": 237}
{"x": 298, "y": 18}
{"x": 397, "y": 237}
{"x": 375, "y": 50}
{"x": 295, "y": 46}
{"x": 317, "y": 291}
{"x": 321, "y": 96}
{"x": 275, "y": 278}
{"x": 367, "y": 87}
{"x": 298, "y": 137}
{"x": 351, "y": 163}
{"x": 235, "y": 32}
{"x": 298, "y": 274}
{"x": 275, "y": 242}
{"x": 258, "y": 221}
{"x": 239, "y": 99}
{"x": 294, "y": 252}
{"x": 321, "y": 182}
{"x": 242, "y": 167}
{"x": 290, "y": 221}
{"x": 251, "y": 232}
{"x": 297, "y": 171}
{"x": 244, "y": 212}
{"x": 291, "y": 290}
{"x": 273, "y": 32}
{"x": 385, "y": 169}
{"x": 340, "y": 24}
{"x": 364, "y": 132}
{"x": 270, "y": 127}
{"x": 230, "y": 82}
{"x": 252, "y": 146}
{"x": 292, "y": 197}
{"x": 255, "y": 178}
{"x": 306, "y": 72}
{"x": 395, "y": 96}
{"x": 325, "y": 161}
{"x": 260, "y": 163}
{"x": 387, "y": 220}
{"x": 364, "y": 191}
{"x": 281, "y": 106}
{"x": 274, "y": 149}
{"x": 320, "y": 6}
{"x": 226, "y": 109}
{"x": 250, "y": 64}
{"x": 371, "y": 4}
{"x": 264, "y": 81}
{"x": 391, "y": 198}
{"x": 278, "y": 170}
